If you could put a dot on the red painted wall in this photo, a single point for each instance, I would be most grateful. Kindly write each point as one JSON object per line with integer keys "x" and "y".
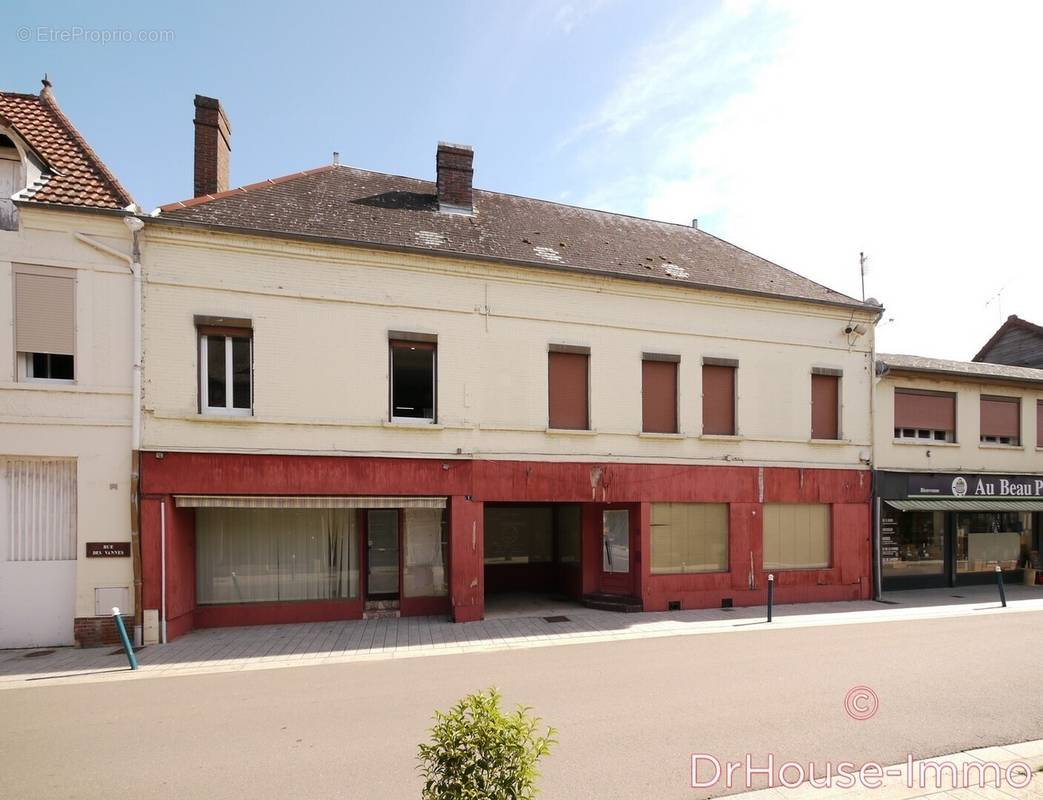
{"x": 466, "y": 559}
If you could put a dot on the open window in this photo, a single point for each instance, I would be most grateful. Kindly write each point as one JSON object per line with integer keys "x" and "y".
{"x": 225, "y": 366}
{"x": 45, "y": 323}
{"x": 413, "y": 377}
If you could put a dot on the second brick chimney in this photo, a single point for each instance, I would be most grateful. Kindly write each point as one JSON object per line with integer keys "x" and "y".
{"x": 213, "y": 147}
{"x": 454, "y": 167}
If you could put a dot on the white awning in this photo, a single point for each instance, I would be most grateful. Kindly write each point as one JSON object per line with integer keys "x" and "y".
{"x": 283, "y": 501}
{"x": 966, "y": 505}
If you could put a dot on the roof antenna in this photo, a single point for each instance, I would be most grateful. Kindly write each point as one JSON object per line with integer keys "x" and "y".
{"x": 863, "y": 268}
{"x": 336, "y": 158}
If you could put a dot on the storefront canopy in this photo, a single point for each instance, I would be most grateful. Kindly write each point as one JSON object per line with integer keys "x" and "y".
{"x": 271, "y": 501}
{"x": 966, "y": 505}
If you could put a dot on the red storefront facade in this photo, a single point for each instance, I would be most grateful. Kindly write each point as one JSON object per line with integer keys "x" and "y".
{"x": 468, "y": 487}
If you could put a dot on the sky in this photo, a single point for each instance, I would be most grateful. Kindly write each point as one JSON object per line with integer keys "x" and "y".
{"x": 806, "y": 132}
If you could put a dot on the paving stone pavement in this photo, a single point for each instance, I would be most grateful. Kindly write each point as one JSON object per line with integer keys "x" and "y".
{"x": 271, "y": 646}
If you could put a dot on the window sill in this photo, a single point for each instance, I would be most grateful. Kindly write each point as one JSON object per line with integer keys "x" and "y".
{"x": 994, "y": 446}
{"x": 923, "y": 443}
{"x": 570, "y": 432}
{"x": 418, "y": 425}
{"x": 656, "y": 435}
{"x": 216, "y": 416}
{"x": 720, "y": 437}
{"x": 834, "y": 442}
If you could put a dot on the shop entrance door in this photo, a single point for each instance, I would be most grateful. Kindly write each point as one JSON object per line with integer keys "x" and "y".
{"x": 382, "y": 554}
{"x": 617, "y": 552}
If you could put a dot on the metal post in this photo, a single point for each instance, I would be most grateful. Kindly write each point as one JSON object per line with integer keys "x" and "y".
{"x": 123, "y": 638}
{"x": 771, "y": 594}
{"x": 999, "y": 584}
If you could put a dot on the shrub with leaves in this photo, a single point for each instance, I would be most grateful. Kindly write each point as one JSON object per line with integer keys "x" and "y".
{"x": 477, "y": 752}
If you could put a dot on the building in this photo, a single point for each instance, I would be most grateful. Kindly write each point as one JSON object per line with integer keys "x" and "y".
{"x": 959, "y": 477}
{"x": 1017, "y": 343}
{"x": 371, "y": 394}
{"x": 66, "y": 381}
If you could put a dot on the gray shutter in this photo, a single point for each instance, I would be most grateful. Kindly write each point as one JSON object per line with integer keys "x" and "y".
{"x": 45, "y": 306}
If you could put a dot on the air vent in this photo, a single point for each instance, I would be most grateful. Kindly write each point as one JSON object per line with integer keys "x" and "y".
{"x": 673, "y": 605}
{"x": 726, "y": 602}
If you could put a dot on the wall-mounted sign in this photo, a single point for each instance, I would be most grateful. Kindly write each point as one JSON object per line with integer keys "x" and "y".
{"x": 975, "y": 486}
{"x": 108, "y": 549}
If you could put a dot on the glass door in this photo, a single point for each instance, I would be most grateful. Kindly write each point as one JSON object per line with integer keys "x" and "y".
{"x": 382, "y": 554}
{"x": 616, "y": 575}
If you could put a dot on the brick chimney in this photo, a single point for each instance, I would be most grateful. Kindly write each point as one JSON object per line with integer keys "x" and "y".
{"x": 455, "y": 173}
{"x": 213, "y": 147}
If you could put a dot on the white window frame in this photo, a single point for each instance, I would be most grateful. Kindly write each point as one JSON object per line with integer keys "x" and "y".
{"x": 925, "y": 435}
{"x": 25, "y": 369}
{"x": 228, "y": 410}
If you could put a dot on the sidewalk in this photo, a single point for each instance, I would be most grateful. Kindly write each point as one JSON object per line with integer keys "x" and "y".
{"x": 967, "y": 775}
{"x": 270, "y": 646}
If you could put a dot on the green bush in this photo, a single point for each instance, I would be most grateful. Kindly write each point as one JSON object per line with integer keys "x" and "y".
{"x": 479, "y": 753}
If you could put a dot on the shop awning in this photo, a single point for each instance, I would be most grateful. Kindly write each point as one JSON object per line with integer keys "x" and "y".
{"x": 280, "y": 501}
{"x": 966, "y": 505}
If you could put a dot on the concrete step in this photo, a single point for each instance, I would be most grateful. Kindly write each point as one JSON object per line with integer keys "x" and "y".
{"x": 612, "y": 602}
{"x": 386, "y": 613}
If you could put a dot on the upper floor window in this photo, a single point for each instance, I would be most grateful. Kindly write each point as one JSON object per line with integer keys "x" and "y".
{"x": 413, "y": 376}
{"x": 659, "y": 393}
{"x": 1039, "y": 423}
{"x": 1000, "y": 420}
{"x": 568, "y": 382}
{"x": 45, "y": 323}
{"x": 719, "y": 396}
{"x": 10, "y": 168}
{"x": 925, "y": 416}
{"x": 825, "y": 403}
{"x": 225, "y": 366}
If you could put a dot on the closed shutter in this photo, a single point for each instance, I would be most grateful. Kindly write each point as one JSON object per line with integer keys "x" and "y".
{"x": 659, "y": 396}
{"x": 718, "y": 400}
{"x": 925, "y": 410}
{"x": 1039, "y": 423}
{"x": 45, "y": 301}
{"x": 796, "y": 536}
{"x": 568, "y": 386}
{"x": 43, "y": 510}
{"x": 825, "y": 407}
{"x": 1001, "y": 417}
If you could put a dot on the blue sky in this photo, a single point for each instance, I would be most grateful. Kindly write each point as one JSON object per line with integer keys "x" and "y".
{"x": 805, "y": 132}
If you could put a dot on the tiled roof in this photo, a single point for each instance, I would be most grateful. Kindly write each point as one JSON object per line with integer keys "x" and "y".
{"x": 970, "y": 370}
{"x": 357, "y": 206}
{"x": 75, "y": 175}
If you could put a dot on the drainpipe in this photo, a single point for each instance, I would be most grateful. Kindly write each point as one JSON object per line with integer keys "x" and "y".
{"x": 135, "y": 226}
{"x": 163, "y": 571}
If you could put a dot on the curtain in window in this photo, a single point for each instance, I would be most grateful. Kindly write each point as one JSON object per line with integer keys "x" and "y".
{"x": 425, "y": 573}
{"x": 258, "y": 555}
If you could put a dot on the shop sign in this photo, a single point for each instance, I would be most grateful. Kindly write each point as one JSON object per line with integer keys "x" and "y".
{"x": 975, "y": 486}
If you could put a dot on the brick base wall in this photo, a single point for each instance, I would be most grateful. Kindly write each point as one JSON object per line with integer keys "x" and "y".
{"x": 99, "y": 631}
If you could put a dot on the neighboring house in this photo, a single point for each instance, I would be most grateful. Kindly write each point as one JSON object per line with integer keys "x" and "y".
{"x": 1018, "y": 343}
{"x": 959, "y": 473}
{"x": 66, "y": 357}
{"x": 371, "y": 394}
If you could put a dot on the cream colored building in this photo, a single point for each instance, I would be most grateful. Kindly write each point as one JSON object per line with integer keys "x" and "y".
{"x": 66, "y": 366}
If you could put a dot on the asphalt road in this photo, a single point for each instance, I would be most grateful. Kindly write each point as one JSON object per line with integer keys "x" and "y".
{"x": 629, "y": 714}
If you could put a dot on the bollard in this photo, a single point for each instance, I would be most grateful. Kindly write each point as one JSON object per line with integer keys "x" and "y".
{"x": 999, "y": 584}
{"x": 123, "y": 638}
{"x": 771, "y": 594}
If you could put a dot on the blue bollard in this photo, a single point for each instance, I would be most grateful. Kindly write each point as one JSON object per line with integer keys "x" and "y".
{"x": 999, "y": 583}
{"x": 771, "y": 594}
{"x": 124, "y": 638}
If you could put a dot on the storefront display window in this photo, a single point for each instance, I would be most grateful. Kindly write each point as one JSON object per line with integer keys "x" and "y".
{"x": 913, "y": 543}
{"x": 985, "y": 539}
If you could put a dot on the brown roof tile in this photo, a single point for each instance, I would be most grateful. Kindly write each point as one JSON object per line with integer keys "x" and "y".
{"x": 77, "y": 176}
{"x": 372, "y": 208}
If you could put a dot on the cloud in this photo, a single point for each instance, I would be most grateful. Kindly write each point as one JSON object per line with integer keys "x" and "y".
{"x": 810, "y": 132}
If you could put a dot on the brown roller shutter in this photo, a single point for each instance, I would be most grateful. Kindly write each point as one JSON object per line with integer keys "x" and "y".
{"x": 718, "y": 400}
{"x": 936, "y": 412}
{"x": 567, "y": 380}
{"x": 1039, "y": 423}
{"x": 825, "y": 407}
{"x": 659, "y": 396}
{"x": 45, "y": 303}
{"x": 1001, "y": 416}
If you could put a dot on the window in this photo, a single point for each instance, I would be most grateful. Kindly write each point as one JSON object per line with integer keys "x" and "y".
{"x": 719, "y": 396}
{"x": 659, "y": 393}
{"x": 10, "y": 168}
{"x": 42, "y": 509}
{"x": 1001, "y": 420}
{"x": 925, "y": 416}
{"x": 413, "y": 365}
{"x": 796, "y": 536}
{"x": 825, "y": 404}
{"x": 568, "y": 382}
{"x": 1039, "y": 423}
{"x": 689, "y": 537}
{"x": 519, "y": 534}
{"x": 225, "y": 367}
{"x": 426, "y": 573}
{"x": 45, "y": 320}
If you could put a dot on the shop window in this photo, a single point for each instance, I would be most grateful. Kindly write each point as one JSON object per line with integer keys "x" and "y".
{"x": 825, "y": 404}
{"x": 659, "y": 393}
{"x": 985, "y": 540}
{"x": 719, "y": 396}
{"x": 925, "y": 416}
{"x": 912, "y": 543}
{"x": 519, "y": 534}
{"x": 568, "y": 384}
{"x": 413, "y": 377}
{"x": 44, "y": 319}
{"x": 689, "y": 537}
{"x": 1001, "y": 420}
{"x": 254, "y": 555}
{"x": 426, "y": 573}
{"x": 225, "y": 367}
{"x": 796, "y": 536}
